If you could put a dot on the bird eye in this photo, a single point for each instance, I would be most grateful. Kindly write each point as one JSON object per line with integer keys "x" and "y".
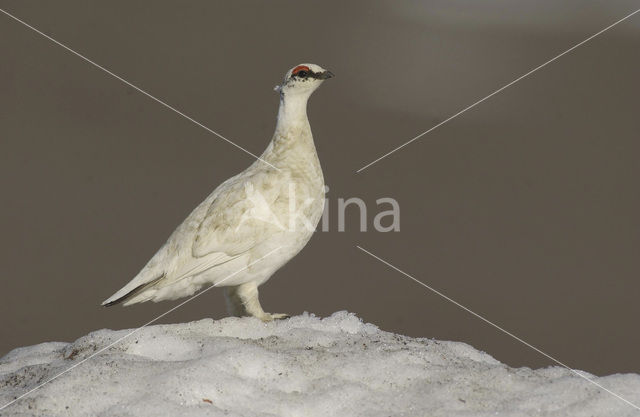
{"x": 302, "y": 73}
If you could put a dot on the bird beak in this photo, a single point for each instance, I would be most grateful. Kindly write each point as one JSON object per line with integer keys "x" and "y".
{"x": 325, "y": 75}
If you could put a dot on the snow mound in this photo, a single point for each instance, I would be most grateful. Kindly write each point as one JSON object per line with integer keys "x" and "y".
{"x": 302, "y": 366}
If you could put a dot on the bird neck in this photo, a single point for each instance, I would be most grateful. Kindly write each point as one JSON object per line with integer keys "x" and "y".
{"x": 292, "y": 114}
{"x": 292, "y": 139}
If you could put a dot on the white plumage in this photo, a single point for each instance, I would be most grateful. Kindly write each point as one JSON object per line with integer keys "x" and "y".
{"x": 253, "y": 223}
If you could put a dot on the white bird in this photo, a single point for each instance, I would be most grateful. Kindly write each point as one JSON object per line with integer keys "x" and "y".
{"x": 253, "y": 223}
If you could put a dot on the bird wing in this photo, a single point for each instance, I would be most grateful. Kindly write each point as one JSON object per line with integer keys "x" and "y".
{"x": 248, "y": 212}
{"x": 242, "y": 215}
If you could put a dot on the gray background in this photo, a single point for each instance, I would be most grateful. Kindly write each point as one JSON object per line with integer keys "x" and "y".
{"x": 524, "y": 209}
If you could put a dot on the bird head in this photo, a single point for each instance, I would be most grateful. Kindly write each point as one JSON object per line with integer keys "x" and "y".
{"x": 303, "y": 79}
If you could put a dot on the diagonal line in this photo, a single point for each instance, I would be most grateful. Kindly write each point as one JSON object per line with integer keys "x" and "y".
{"x": 497, "y": 327}
{"x": 497, "y": 91}
{"x": 136, "y": 330}
{"x": 136, "y": 87}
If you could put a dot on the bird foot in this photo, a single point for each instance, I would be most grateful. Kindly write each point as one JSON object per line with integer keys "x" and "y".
{"x": 273, "y": 316}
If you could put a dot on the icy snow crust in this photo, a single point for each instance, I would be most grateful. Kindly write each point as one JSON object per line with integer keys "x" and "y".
{"x": 303, "y": 366}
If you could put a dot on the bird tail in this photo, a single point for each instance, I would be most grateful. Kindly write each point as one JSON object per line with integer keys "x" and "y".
{"x": 134, "y": 292}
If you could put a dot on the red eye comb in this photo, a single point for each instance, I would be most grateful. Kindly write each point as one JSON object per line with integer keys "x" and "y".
{"x": 300, "y": 68}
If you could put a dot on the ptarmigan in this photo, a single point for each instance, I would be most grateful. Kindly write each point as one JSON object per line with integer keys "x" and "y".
{"x": 253, "y": 223}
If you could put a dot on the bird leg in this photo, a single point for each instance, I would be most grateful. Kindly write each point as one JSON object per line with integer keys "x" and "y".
{"x": 242, "y": 300}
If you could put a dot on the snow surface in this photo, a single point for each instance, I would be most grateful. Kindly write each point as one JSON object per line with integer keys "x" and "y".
{"x": 302, "y": 366}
